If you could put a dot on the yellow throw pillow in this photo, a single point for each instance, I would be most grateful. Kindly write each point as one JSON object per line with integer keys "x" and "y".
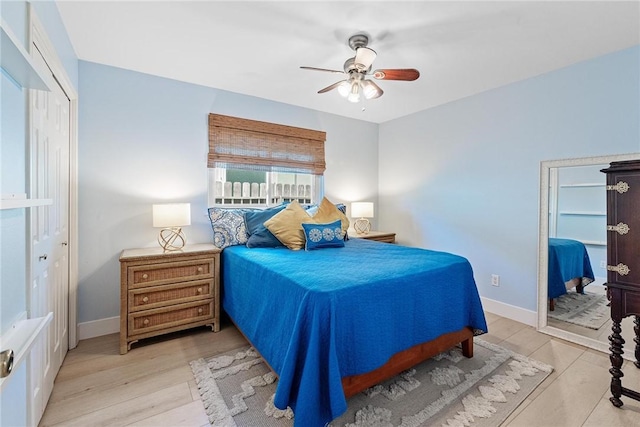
{"x": 328, "y": 212}
{"x": 286, "y": 225}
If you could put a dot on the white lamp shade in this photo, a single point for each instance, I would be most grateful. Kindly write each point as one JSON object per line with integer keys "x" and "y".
{"x": 362, "y": 209}
{"x": 172, "y": 215}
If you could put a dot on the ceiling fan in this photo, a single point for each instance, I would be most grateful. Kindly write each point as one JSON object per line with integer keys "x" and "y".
{"x": 359, "y": 67}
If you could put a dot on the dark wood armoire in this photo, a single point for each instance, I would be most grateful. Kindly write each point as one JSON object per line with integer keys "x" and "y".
{"x": 623, "y": 265}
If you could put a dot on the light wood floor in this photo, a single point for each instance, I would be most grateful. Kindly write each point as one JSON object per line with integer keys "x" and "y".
{"x": 152, "y": 385}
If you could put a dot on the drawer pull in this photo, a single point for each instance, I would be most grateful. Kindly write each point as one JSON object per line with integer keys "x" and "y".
{"x": 199, "y": 290}
{"x": 145, "y": 300}
{"x": 621, "y": 269}
{"x": 145, "y": 276}
{"x": 200, "y": 269}
{"x": 145, "y": 322}
{"x": 620, "y": 187}
{"x": 621, "y": 228}
{"x": 199, "y": 311}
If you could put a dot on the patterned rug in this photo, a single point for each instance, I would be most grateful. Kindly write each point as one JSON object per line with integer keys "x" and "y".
{"x": 589, "y": 310}
{"x": 449, "y": 390}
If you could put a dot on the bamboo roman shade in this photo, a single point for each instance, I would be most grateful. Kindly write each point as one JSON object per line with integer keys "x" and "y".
{"x": 249, "y": 144}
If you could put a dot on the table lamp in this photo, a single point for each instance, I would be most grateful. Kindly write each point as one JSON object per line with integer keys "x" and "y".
{"x": 171, "y": 217}
{"x": 363, "y": 210}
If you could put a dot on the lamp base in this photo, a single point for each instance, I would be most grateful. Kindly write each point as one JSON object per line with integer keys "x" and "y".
{"x": 172, "y": 239}
{"x": 362, "y": 226}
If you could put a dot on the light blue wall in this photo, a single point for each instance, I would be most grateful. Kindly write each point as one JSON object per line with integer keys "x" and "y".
{"x": 144, "y": 139}
{"x": 464, "y": 177}
{"x": 12, "y": 222}
{"x": 12, "y": 180}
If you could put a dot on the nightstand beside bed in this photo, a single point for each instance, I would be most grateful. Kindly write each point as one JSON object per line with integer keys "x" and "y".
{"x": 380, "y": 236}
{"x": 163, "y": 292}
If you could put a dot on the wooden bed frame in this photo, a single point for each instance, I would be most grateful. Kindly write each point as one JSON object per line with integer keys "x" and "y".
{"x": 406, "y": 359}
{"x": 576, "y": 282}
{"x": 400, "y": 361}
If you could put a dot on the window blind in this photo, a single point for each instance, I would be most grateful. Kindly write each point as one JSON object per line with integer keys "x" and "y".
{"x": 254, "y": 145}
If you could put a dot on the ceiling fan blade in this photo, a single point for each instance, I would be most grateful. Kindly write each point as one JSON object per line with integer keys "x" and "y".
{"x": 407, "y": 74}
{"x": 330, "y": 87}
{"x": 322, "y": 69}
{"x": 364, "y": 58}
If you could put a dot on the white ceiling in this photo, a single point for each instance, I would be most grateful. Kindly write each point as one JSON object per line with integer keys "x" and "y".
{"x": 256, "y": 48}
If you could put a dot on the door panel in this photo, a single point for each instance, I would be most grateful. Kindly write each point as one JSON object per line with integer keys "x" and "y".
{"x": 49, "y": 233}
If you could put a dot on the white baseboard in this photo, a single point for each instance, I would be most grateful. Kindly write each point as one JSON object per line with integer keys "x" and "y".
{"x": 509, "y": 311}
{"x": 97, "y": 328}
{"x": 111, "y": 325}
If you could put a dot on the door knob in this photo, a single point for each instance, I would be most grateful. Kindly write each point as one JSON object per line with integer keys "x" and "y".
{"x": 6, "y": 363}
{"x": 41, "y": 257}
{"x": 64, "y": 243}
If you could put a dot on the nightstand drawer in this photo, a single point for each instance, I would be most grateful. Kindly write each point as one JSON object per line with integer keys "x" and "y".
{"x": 146, "y": 321}
{"x": 170, "y": 272}
{"x": 161, "y": 296}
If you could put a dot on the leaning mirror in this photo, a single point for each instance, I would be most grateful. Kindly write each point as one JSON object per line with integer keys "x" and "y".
{"x": 572, "y": 302}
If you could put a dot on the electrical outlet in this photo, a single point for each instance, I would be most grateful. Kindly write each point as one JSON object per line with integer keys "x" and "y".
{"x": 603, "y": 264}
{"x": 495, "y": 280}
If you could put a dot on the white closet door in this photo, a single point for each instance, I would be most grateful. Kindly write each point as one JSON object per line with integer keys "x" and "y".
{"x": 49, "y": 236}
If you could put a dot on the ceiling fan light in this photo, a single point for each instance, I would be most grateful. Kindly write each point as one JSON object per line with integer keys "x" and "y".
{"x": 354, "y": 93}
{"x": 344, "y": 88}
{"x": 370, "y": 90}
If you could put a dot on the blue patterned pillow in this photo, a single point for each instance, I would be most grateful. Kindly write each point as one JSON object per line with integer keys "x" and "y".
{"x": 228, "y": 226}
{"x": 259, "y": 235}
{"x": 320, "y": 236}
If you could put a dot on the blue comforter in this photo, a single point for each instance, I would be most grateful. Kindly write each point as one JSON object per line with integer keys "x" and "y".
{"x": 568, "y": 259}
{"x": 318, "y": 316}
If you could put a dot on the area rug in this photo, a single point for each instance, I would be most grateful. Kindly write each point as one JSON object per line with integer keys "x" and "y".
{"x": 449, "y": 390}
{"x": 589, "y": 310}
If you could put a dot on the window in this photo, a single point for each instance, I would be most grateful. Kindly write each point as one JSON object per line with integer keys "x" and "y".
{"x": 263, "y": 164}
{"x": 240, "y": 187}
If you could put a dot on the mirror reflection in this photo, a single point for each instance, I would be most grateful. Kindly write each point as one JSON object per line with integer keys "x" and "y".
{"x": 577, "y": 244}
{"x": 573, "y": 251}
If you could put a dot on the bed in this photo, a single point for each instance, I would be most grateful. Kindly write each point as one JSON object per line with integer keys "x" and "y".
{"x": 569, "y": 266}
{"x": 335, "y": 321}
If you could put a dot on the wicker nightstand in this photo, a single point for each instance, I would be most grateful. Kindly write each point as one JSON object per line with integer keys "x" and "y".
{"x": 162, "y": 292}
{"x": 380, "y": 236}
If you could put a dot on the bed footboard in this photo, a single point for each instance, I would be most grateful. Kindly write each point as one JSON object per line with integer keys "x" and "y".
{"x": 406, "y": 359}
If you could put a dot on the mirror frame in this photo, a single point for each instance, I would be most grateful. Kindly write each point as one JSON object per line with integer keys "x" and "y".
{"x": 543, "y": 246}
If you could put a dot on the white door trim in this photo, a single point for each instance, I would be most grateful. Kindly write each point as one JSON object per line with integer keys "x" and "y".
{"x": 40, "y": 41}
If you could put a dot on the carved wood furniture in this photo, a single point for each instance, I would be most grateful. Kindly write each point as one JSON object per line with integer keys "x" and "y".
{"x": 623, "y": 267}
{"x": 162, "y": 292}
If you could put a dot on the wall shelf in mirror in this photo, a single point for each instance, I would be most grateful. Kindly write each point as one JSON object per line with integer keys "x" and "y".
{"x": 582, "y": 185}
{"x": 17, "y": 63}
{"x": 23, "y": 203}
{"x": 584, "y": 213}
